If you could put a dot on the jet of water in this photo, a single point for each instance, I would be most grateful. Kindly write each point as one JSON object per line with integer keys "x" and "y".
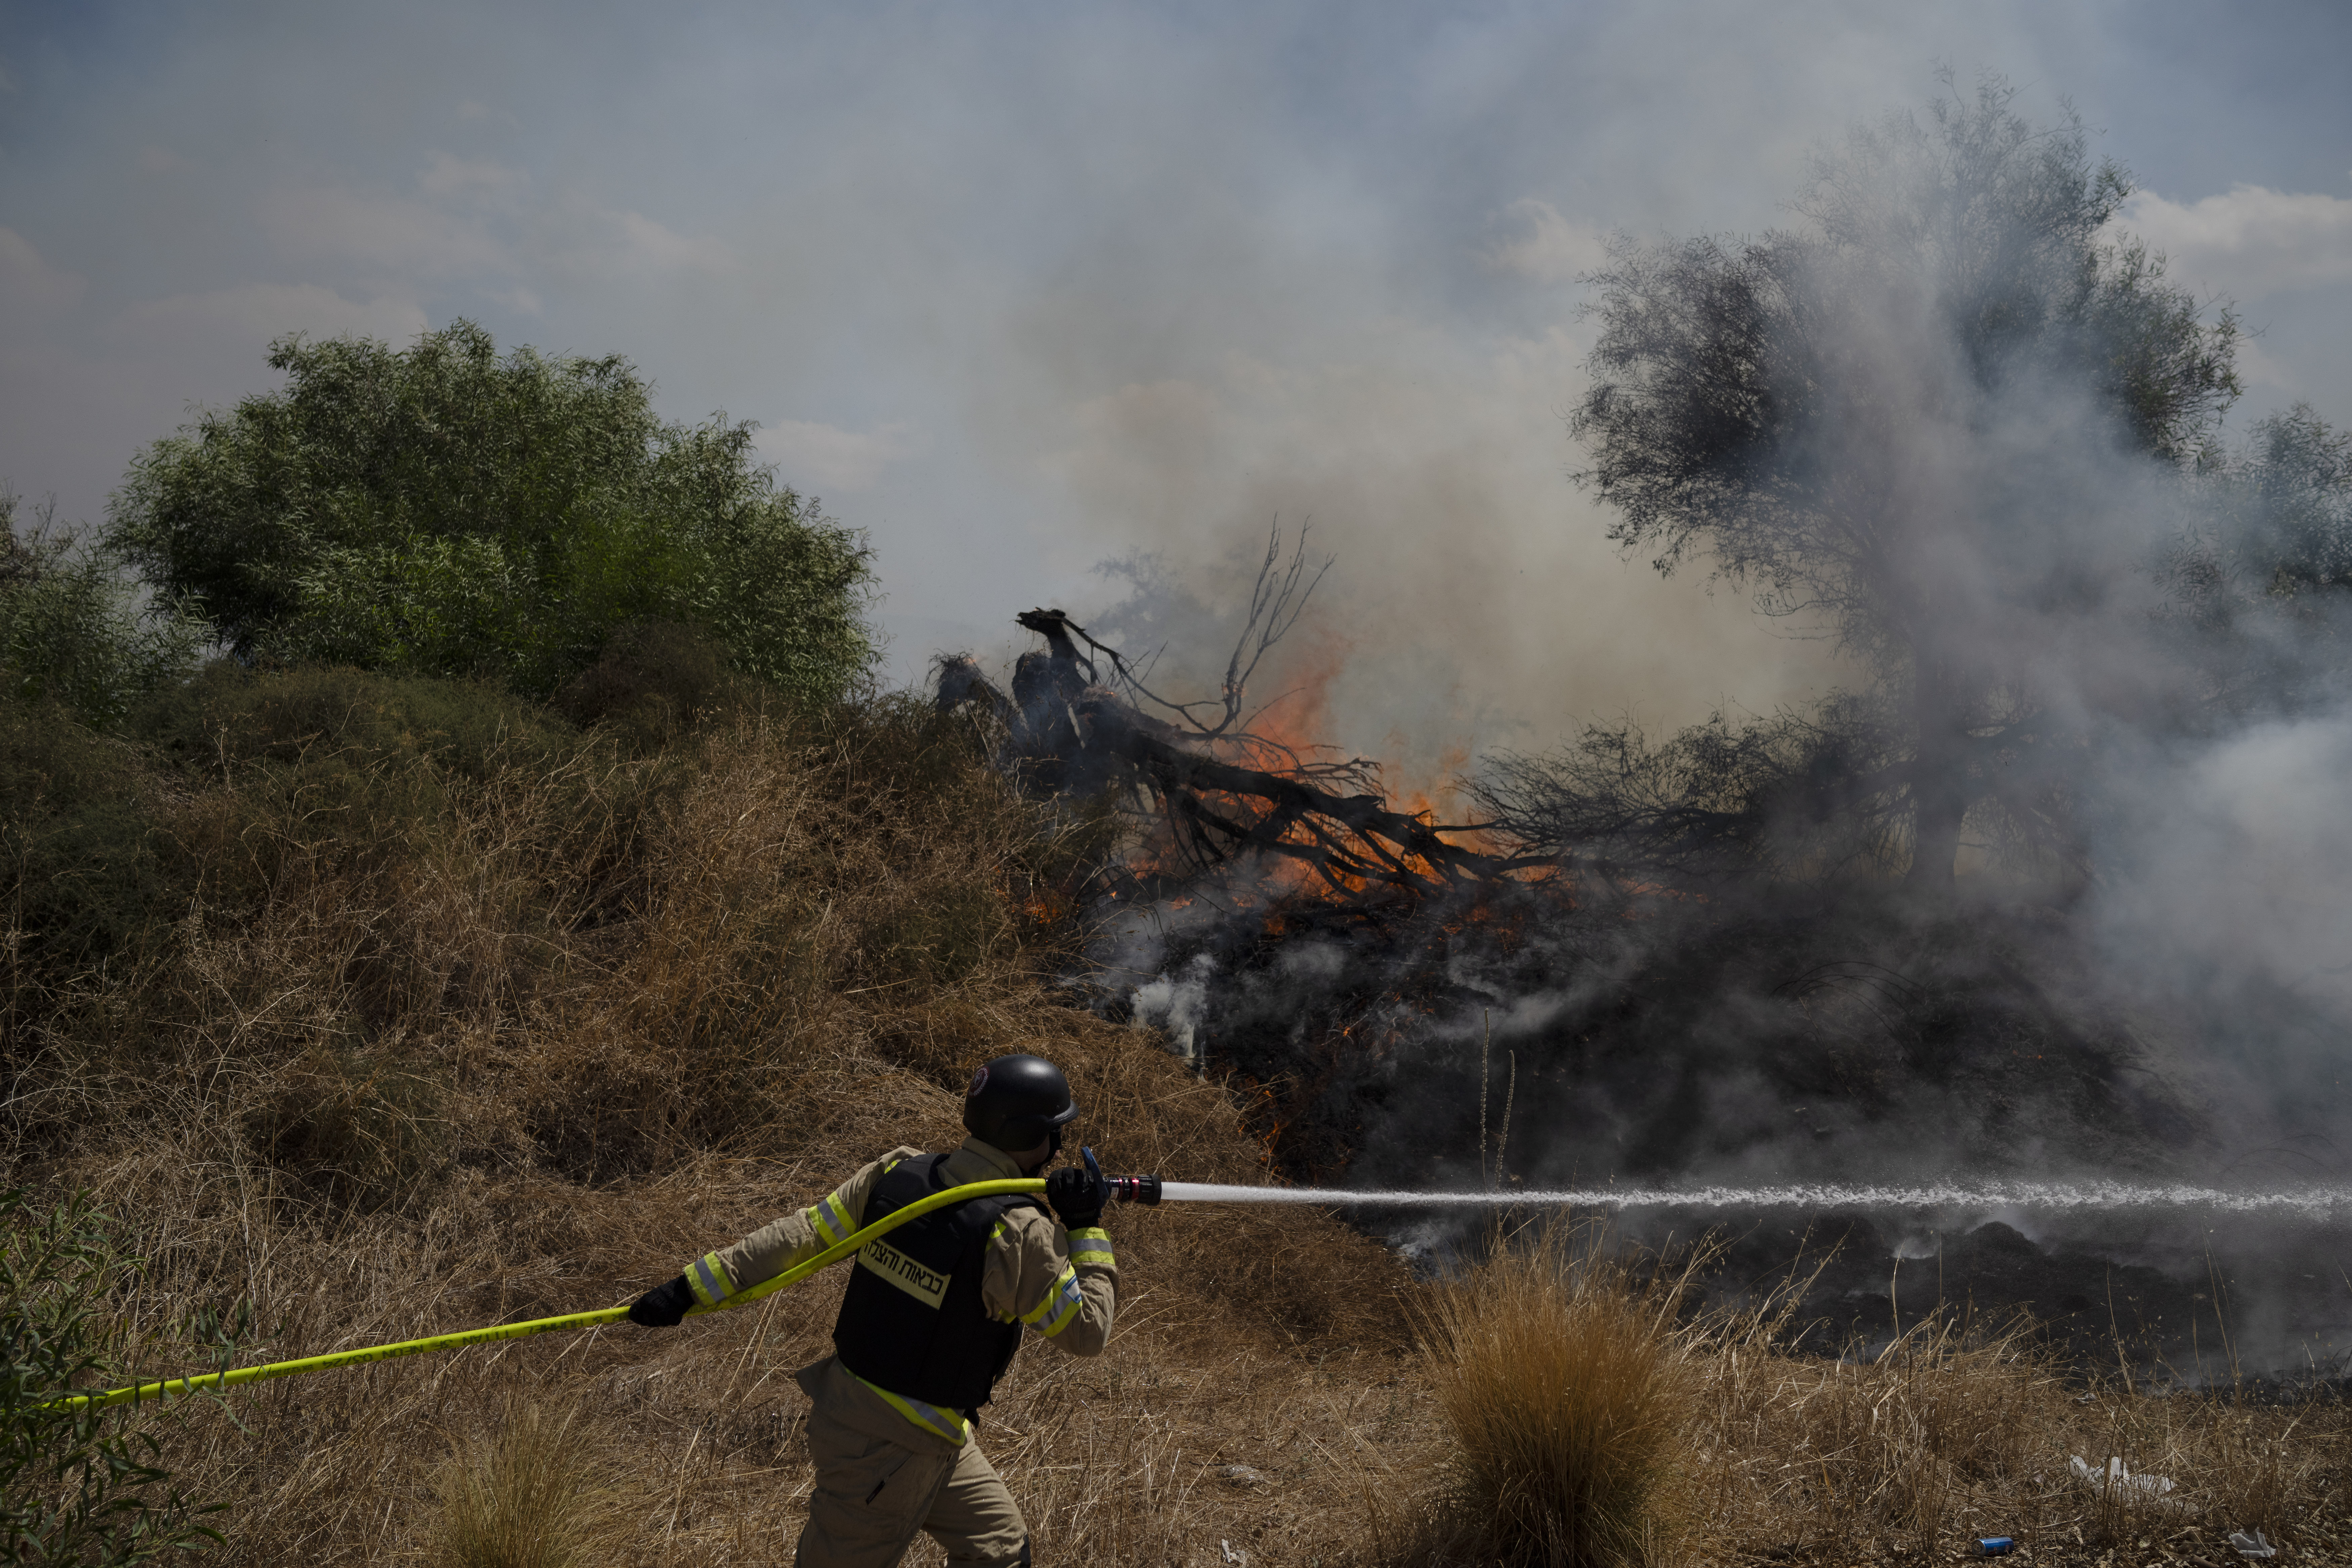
{"x": 2056, "y": 1196}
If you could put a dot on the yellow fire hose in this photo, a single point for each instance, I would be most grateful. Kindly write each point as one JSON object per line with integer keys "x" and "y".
{"x": 792, "y": 1275}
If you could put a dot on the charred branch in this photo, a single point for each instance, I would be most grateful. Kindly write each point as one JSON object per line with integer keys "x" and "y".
{"x": 1220, "y": 810}
{"x": 1061, "y": 736}
{"x": 1220, "y": 791}
{"x": 1276, "y": 601}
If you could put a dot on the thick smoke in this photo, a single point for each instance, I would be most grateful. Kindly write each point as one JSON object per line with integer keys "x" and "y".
{"x": 2055, "y": 886}
{"x": 2232, "y": 864}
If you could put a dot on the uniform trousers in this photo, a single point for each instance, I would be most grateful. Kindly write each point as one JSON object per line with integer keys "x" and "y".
{"x": 879, "y": 1480}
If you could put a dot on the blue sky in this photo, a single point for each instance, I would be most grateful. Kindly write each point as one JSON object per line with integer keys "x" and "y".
{"x": 1021, "y": 288}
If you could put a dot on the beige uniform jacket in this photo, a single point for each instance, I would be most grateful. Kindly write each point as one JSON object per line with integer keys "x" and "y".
{"x": 1063, "y": 1283}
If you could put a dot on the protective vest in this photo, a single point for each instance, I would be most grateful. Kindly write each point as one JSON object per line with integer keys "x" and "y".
{"x": 912, "y": 1322}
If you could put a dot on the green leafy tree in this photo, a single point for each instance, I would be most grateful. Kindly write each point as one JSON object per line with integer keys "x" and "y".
{"x": 445, "y": 510}
{"x": 79, "y": 1485}
{"x": 2287, "y": 508}
{"x": 76, "y": 630}
{"x": 1901, "y": 422}
{"x": 2264, "y": 581}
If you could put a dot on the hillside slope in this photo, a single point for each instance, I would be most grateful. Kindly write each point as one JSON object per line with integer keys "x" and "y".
{"x": 398, "y": 1007}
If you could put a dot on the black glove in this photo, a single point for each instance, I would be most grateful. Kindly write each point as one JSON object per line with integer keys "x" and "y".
{"x": 1078, "y": 1192}
{"x": 663, "y": 1305}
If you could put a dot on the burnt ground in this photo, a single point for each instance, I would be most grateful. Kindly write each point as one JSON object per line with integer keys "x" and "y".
{"x": 1780, "y": 1035}
{"x": 2173, "y": 1302}
{"x": 2269, "y": 1304}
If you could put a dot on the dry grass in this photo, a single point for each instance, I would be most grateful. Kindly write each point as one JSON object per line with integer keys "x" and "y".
{"x": 1566, "y": 1388}
{"x": 1579, "y": 1417}
{"x": 1892, "y": 1448}
{"x": 429, "y": 1034}
{"x": 532, "y": 1493}
{"x": 1950, "y": 1433}
{"x": 416, "y": 1034}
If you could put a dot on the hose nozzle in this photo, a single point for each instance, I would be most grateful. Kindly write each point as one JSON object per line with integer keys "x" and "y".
{"x": 1136, "y": 1189}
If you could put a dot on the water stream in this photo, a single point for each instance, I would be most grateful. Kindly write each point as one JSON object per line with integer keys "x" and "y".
{"x": 2045, "y": 1196}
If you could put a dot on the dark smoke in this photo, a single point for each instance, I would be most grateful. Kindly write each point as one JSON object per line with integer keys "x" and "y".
{"x": 2060, "y": 887}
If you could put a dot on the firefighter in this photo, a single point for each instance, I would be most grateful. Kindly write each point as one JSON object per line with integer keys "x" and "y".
{"x": 934, "y": 1313}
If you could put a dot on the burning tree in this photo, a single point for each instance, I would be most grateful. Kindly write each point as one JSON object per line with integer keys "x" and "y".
{"x": 1085, "y": 722}
{"x": 1262, "y": 849}
{"x": 1672, "y": 911}
{"x": 1945, "y": 424}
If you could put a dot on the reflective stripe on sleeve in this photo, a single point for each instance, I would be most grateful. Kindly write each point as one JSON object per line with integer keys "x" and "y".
{"x": 1060, "y": 1307}
{"x": 706, "y": 1276}
{"x": 830, "y": 1219}
{"x": 1091, "y": 1245}
{"x": 930, "y": 1417}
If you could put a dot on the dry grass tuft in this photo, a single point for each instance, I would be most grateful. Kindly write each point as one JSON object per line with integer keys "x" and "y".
{"x": 1566, "y": 1386}
{"x": 533, "y": 1493}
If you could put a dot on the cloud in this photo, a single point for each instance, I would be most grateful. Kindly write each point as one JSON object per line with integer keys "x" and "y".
{"x": 398, "y": 236}
{"x": 448, "y": 177}
{"x": 631, "y": 245}
{"x": 29, "y": 283}
{"x": 473, "y": 220}
{"x": 80, "y": 403}
{"x": 243, "y": 319}
{"x": 828, "y": 458}
{"x": 2261, "y": 367}
{"x": 1543, "y": 246}
{"x": 2251, "y": 241}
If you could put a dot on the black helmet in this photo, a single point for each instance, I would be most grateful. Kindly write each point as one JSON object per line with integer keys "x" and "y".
{"x": 1017, "y": 1103}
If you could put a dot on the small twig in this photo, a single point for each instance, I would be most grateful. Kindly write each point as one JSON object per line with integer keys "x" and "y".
{"x": 1486, "y": 1042}
{"x": 1503, "y": 1137}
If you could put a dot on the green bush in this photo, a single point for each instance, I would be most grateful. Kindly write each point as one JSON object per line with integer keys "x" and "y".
{"x": 316, "y": 777}
{"x": 75, "y": 631}
{"x": 94, "y": 854}
{"x": 78, "y": 1485}
{"x": 344, "y": 720}
{"x": 82, "y": 872}
{"x": 440, "y": 509}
